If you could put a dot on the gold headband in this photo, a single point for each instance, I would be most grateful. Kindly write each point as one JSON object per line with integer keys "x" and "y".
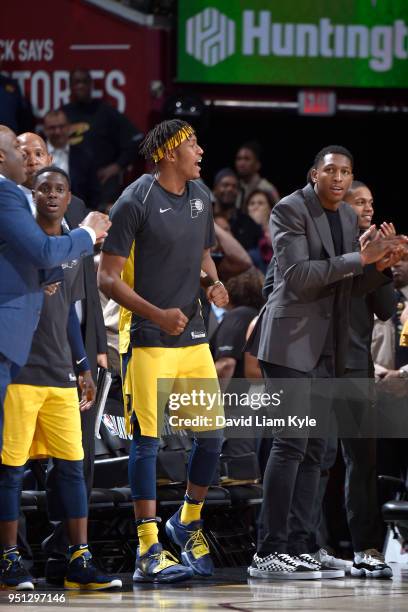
{"x": 172, "y": 143}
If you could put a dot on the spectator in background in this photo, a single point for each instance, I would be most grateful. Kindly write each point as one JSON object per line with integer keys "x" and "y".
{"x": 229, "y": 256}
{"x": 259, "y": 205}
{"x": 247, "y": 166}
{"x": 243, "y": 228}
{"x": 75, "y": 160}
{"x": 15, "y": 110}
{"x": 36, "y": 157}
{"x": 109, "y": 134}
{"x": 391, "y": 370}
{"x": 227, "y": 347}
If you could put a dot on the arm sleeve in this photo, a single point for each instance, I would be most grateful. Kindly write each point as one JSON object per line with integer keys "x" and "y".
{"x": 20, "y": 231}
{"x": 75, "y": 341}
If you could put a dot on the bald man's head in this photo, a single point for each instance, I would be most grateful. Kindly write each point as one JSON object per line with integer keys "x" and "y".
{"x": 11, "y": 158}
{"x": 36, "y": 154}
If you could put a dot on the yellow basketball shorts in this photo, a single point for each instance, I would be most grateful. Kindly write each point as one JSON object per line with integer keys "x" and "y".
{"x": 184, "y": 378}
{"x": 41, "y": 422}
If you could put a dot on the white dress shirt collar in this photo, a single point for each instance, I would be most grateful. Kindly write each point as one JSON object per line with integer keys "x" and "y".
{"x": 29, "y": 195}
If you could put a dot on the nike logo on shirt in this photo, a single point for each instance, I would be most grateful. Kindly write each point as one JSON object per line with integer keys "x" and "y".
{"x": 78, "y": 361}
{"x": 162, "y": 210}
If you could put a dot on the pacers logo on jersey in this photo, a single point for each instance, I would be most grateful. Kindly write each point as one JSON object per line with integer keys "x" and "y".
{"x": 197, "y": 207}
{"x": 70, "y": 264}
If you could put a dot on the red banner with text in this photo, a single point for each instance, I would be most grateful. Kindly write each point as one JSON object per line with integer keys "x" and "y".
{"x": 40, "y": 44}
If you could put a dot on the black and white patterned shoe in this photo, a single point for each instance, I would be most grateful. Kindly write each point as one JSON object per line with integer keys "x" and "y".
{"x": 327, "y": 572}
{"x": 280, "y": 566}
{"x": 370, "y": 564}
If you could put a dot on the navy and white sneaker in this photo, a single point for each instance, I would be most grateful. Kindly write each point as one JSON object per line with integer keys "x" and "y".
{"x": 159, "y": 566}
{"x": 195, "y": 552}
{"x": 13, "y": 574}
{"x": 280, "y": 566}
{"x": 327, "y": 572}
{"x": 370, "y": 564}
{"x": 83, "y": 574}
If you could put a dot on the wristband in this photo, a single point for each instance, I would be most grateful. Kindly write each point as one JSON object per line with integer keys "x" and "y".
{"x": 83, "y": 365}
{"x": 216, "y": 282}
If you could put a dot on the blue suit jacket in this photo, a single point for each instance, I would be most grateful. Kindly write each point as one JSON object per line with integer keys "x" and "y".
{"x": 24, "y": 251}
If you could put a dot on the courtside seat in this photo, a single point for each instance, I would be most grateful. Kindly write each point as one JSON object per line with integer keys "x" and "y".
{"x": 123, "y": 497}
{"x": 176, "y": 441}
{"x": 29, "y": 501}
{"x": 240, "y": 475}
{"x": 111, "y": 472}
{"x": 395, "y": 514}
{"x": 395, "y": 511}
{"x": 245, "y": 494}
{"x": 172, "y": 459}
{"x": 41, "y": 500}
{"x": 110, "y": 468}
{"x": 101, "y": 499}
{"x": 171, "y": 467}
{"x": 34, "y": 500}
{"x": 239, "y": 469}
{"x": 399, "y": 484}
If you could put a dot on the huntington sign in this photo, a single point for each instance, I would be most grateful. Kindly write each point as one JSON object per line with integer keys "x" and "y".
{"x": 312, "y": 42}
{"x": 210, "y": 37}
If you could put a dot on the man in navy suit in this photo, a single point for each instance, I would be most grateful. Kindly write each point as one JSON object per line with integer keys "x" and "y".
{"x": 27, "y": 255}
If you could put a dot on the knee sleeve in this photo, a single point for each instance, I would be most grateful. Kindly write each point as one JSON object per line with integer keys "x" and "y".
{"x": 11, "y": 481}
{"x": 142, "y": 467}
{"x": 66, "y": 490}
{"x": 204, "y": 458}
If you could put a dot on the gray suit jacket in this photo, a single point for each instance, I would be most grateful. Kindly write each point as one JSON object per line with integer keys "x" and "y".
{"x": 305, "y": 273}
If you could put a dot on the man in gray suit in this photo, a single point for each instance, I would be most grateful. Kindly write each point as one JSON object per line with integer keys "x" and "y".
{"x": 303, "y": 334}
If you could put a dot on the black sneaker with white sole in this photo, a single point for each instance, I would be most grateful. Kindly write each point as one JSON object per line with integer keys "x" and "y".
{"x": 326, "y": 572}
{"x": 280, "y": 566}
{"x": 13, "y": 574}
{"x": 370, "y": 564}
